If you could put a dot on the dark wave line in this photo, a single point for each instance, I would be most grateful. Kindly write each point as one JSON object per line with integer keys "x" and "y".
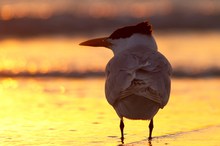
{"x": 182, "y": 73}
{"x": 171, "y": 135}
{"x": 178, "y": 73}
{"x": 55, "y": 74}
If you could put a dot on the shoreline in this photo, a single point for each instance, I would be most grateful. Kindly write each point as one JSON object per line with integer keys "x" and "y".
{"x": 202, "y": 137}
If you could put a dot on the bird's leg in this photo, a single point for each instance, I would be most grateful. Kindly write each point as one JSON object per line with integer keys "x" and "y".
{"x": 151, "y": 126}
{"x": 122, "y": 130}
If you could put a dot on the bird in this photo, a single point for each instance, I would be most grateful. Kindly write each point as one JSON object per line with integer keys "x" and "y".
{"x": 138, "y": 76}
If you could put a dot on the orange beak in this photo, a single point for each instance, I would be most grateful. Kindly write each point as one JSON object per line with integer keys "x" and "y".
{"x": 98, "y": 42}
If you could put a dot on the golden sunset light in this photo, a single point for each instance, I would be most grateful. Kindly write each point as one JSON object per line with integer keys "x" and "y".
{"x": 53, "y": 90}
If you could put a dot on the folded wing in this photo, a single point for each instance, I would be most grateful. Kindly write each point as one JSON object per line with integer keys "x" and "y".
{"x": 138, "y": 71}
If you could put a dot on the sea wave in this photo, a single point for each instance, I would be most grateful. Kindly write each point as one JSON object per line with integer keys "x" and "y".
{"x": 177, "y": 73}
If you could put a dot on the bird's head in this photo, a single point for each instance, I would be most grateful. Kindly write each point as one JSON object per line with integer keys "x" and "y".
{"x": 126, "y": 38}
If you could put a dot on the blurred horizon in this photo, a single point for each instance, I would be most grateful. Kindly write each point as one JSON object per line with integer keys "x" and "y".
{"x": 25, "y": 18}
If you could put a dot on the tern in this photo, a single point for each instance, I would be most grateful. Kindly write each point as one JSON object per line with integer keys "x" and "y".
{"x": 138, "y": 76}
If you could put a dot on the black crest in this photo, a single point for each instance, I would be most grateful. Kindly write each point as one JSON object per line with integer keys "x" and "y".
{"x": 125, "y": 32}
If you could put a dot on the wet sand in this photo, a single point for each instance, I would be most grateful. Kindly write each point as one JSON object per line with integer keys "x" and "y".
{"x": 209, "y": 136}
{"x": 74, "y": 112}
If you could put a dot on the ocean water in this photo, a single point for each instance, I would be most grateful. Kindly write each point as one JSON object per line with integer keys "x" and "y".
{"x": 40, "y": 108}
{"x": 192, "y": 52}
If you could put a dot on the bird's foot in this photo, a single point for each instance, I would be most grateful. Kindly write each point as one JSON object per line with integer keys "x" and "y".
{"x": 122, "y": 140}
{"x": 149, "y": 143}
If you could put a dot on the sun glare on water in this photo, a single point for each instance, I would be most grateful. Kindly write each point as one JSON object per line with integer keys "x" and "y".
{"x": 43, "y": 55}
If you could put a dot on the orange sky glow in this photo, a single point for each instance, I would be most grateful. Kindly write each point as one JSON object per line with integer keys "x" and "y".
{"x": 98, "y": 9}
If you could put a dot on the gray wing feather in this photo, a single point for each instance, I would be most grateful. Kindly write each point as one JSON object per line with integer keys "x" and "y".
{"x": 144, "y": 73}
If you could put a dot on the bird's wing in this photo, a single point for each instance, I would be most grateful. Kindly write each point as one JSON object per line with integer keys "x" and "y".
{"x": 119, "y": 75}
{"x": 144, "y": 73}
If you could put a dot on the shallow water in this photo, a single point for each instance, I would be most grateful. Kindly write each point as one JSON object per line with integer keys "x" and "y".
{"x": 49, "y": 111}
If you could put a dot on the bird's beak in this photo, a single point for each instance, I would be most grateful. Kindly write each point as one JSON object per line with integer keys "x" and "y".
{"x": 98, "y": 42}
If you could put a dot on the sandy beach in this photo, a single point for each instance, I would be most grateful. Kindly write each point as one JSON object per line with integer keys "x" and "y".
{"x": 52, "y": 112}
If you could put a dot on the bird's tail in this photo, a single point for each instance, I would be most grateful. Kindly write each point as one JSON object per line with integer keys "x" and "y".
{"x": 136, "y": 107}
